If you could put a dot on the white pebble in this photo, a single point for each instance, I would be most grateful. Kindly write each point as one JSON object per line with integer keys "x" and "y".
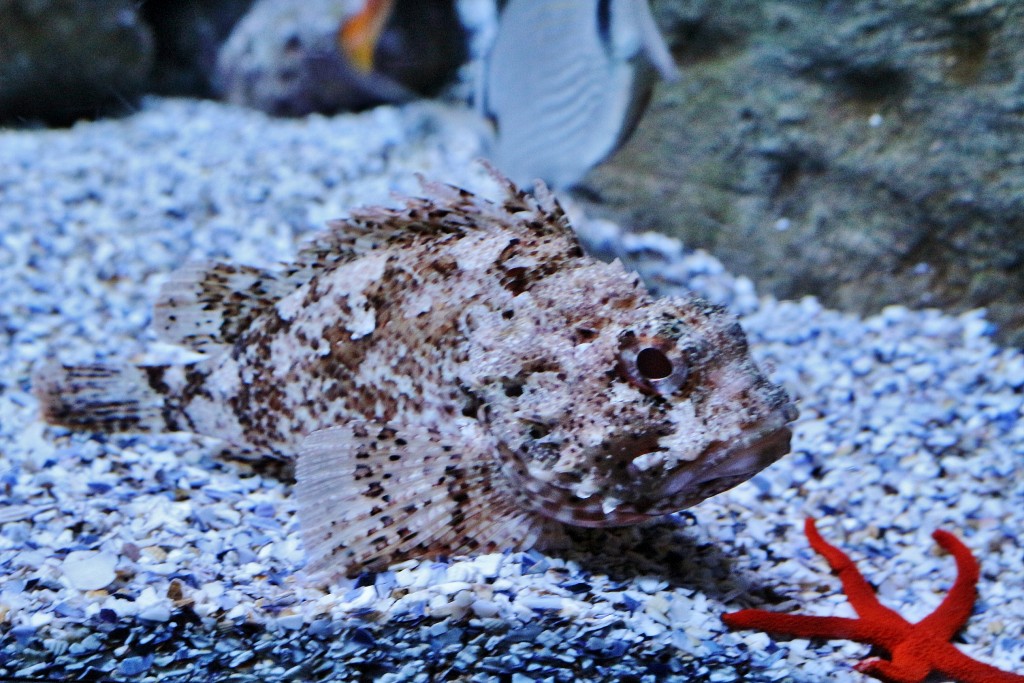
{"x": 486, "y": 609}
{"x": 489, "y": 565}
{"x": 362, "y": 598}
{"x": 155, "y": 612}
{"x": 540, "y": 602}
{"x": 290, "y": 622}
{"x": 89, "y": 570}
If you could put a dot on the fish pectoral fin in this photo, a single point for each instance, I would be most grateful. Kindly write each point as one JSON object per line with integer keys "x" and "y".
{"x": 371, "y": 495}
{"x": 205, "y": 305}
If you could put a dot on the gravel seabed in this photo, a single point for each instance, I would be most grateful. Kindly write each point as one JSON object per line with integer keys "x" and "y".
{"x": 150, "y": 558}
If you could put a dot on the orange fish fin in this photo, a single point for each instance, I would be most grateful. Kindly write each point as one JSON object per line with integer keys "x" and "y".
{"x": 359, "y": 33}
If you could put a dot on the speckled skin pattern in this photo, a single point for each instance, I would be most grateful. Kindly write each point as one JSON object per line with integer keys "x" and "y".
{"x": 451, "y": 376}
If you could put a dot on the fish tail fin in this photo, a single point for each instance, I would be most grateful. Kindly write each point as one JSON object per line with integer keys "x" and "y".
{"x": 104, "y": 398}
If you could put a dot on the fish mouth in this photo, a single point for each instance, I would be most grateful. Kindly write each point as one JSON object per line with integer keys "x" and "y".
{"x": 719, "y": 468}
{"x": 722, "y": 468}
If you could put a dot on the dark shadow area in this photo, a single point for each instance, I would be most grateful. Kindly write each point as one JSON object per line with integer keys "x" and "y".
{"x": 666, "y": 549}
{"x": 188, "y": 35}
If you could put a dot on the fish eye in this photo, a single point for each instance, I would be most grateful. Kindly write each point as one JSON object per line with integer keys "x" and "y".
{"x": 653, "y": 364}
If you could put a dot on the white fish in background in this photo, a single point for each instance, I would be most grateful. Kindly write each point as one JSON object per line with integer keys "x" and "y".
{"x": 453, "y": 376}
{"x": 566, "y": 82}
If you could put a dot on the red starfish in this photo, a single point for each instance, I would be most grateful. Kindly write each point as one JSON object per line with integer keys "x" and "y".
{"x": 916, "y": 649}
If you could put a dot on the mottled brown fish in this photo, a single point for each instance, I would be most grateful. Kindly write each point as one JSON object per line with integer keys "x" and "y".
{"x": 453, "y": 376}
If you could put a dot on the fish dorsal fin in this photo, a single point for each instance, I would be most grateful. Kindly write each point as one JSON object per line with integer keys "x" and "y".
{"x": 205, "y": 305}
{"x": 373, "y": 495}
{"x": 442, "y": 210}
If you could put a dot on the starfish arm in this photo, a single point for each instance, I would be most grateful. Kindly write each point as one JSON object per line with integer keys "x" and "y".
{"x": 956, "y": 665}
{"x": 917, "y": 650}
{"x": 950, "y": 616}
{"x": 858, "y": 590}
{"x": 806, "y": 626}
{"x": 891, "y": 672}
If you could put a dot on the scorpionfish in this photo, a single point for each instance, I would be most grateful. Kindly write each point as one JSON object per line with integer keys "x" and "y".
{"x": 453, "y": 376}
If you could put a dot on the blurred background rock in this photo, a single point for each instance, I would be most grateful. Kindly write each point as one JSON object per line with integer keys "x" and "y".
{"x": 189, "y": 35}
{"x": 64, "y": 60}
{"x": 61, "y": 60}
{"x": 866, "y": 153}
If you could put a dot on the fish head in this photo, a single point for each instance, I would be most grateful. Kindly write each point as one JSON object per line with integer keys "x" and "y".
{"x": 657, "y": 408}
